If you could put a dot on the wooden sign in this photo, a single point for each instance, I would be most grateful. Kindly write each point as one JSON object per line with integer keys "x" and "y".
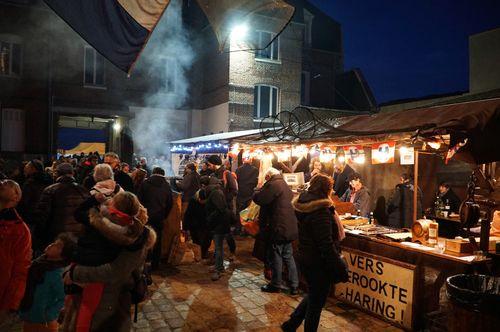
{"x": 379, "y": 285}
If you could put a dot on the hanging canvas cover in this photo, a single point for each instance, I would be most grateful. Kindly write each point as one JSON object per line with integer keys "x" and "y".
{"x": 383, "y": 153}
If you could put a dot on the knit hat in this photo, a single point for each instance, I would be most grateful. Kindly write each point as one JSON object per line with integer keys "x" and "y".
{"x": 37, "y": 164}
{"x": 214, "y": 160}
{"x": 64, "y": 169}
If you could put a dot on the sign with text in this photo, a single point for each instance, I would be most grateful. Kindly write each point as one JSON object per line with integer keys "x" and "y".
{"x": 383, "y": 288}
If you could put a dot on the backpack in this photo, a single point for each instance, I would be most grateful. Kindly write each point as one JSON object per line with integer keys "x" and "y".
{"x": 139, "y": 292}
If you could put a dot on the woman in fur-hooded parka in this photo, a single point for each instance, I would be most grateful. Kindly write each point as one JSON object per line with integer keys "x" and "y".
{"x": 113, "y": 312}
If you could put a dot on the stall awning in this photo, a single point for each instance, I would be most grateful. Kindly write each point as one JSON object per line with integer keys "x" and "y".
{"x": 217, "y": 137}
{"x": 479, "y": 121}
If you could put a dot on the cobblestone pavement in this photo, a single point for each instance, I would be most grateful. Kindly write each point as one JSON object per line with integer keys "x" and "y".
{"x": 185, "y": 299}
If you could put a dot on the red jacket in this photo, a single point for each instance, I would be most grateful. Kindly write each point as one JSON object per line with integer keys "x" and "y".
{"x": 15, "y": 255}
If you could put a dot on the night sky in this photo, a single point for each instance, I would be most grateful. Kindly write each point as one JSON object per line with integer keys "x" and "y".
{"x": 409, "y": 49}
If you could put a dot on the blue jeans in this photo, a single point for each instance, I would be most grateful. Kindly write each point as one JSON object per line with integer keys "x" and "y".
{"x": 219, "y": 251}
{"x": 318, "y": 288}
{"x": 279, "y": 253}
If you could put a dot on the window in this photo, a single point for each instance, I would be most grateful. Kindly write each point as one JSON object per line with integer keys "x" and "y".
{"x": 93, "y": 74}
{"x": 271, "y": 52}
{"x": 308, "y": 20}
{"x": 10, "y": 59}
{"x": 265, "y": 101}
{"x": 304, "y": 88}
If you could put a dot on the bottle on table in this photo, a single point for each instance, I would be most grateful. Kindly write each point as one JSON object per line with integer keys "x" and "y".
{"x": 370, "y": 218}
{"x": 433, "y": 233}
{"x": 359, "y": 213}
{"x": 447, "y": 209}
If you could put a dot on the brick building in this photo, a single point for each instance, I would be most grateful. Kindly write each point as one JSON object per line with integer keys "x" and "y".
{"x": 52, "y": 82}
{"x": 236, "y": 89}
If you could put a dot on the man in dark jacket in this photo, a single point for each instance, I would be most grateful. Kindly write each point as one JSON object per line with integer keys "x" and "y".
{"x": 400, "y": 206}
{"x": 156, "y": 196}
{"x": 247, "y": 176}
{"x": 218, "y": 222}
{"x": 342, "y": 179}
{"x": 447, "y": 194}
{"x": 278, "y": 224}
{"x": 229, "y": 187}
{"x": 190, "y": 184}
{"x": 54, "y": 213}
{"x": 86, "y": 168}
{"x": 36, "y": 181}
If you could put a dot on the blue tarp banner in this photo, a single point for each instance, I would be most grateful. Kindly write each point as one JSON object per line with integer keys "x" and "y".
{"x": 69, "y": 138}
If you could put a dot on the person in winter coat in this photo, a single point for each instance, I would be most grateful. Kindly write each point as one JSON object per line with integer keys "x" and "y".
{"x": 44, "y": 297}
{"x": 318, "y": 252}
{"x": 227, "y": 182}
{"x": 36, "y": 181}
{"x": 86, "y": 168}
{"x": 342, "y": 178}
{"x": 189, "y": 185}
{"x": 195, "y": 219}
{"x": 111, "y": 310}
{"x": 247, "y": 176}
{"x": 15, "y": 253}
{"x": 122, "y": 178}
{"x": 278, "y": 225}
{"x": 156, "y": 196}
{"x": 400, "y": 206}
{"x": 447, "y": 194}
{"x": 358, "y": 195}
{"x": 54, "y": 213}
{"x": 218, "y": 222}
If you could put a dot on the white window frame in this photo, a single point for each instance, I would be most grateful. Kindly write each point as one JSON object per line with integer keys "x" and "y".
{"x": 308, "y": 20}
{"x": 274, "y": 40}
{"x": 93, "y": 85}
{"x": 259, "y": 114}
{"x": 11, "y": 41}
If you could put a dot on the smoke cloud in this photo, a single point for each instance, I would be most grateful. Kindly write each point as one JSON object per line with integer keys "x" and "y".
{"x": 167, "y": 58}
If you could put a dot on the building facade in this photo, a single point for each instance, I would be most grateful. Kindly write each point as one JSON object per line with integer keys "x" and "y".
{"x": 55, "y": 88}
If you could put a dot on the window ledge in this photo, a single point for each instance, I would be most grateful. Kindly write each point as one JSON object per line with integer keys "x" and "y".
{"x": 98, "y": 87}
{"x": 10, "y": 76}
{"x": 276, "y": 62}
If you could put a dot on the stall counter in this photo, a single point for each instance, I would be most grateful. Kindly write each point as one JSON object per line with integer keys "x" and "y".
{"x": 400, "y": 282}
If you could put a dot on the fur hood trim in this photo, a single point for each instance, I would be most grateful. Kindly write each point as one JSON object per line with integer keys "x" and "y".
{"x": 150, "y": 242}
{"x": 121, "y": 235}
{"x": 310, "y": 206}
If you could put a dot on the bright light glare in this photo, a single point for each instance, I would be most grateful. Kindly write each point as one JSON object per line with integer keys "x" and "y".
{"x": 403, "y": 150}
{"x": 116, "y": 126}
{"x": 434, "y": 145}
{"x": 239, "y": 32}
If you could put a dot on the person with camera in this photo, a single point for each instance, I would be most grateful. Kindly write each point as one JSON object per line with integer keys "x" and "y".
{"x": 319, "y": 257}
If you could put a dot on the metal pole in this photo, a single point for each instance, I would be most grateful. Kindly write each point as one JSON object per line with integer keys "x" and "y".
{"x": 415, "y": 189}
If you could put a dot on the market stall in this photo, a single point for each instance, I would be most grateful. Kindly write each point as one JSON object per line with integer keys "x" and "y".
{"x": 397, "y": 272}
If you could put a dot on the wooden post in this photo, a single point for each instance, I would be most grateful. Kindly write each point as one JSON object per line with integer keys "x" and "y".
{"x": 415, "y": 189}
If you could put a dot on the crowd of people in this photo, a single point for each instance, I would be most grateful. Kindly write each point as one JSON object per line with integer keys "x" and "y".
{"x": 76, "y": 236}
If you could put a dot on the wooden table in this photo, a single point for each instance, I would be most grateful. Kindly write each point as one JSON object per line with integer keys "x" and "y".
{"x": 430, "y": 270}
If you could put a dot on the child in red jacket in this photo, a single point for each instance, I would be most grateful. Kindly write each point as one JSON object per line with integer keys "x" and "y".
{"x": 15, "y": 253}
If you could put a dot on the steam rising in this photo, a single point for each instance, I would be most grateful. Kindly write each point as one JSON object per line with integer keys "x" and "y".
{"x": 166, "y": 59}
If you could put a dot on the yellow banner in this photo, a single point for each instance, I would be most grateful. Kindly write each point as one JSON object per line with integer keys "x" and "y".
{"x": 378, "y": 286}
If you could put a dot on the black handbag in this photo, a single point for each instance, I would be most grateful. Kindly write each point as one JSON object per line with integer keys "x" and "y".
{"x": 341, "y": 270}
